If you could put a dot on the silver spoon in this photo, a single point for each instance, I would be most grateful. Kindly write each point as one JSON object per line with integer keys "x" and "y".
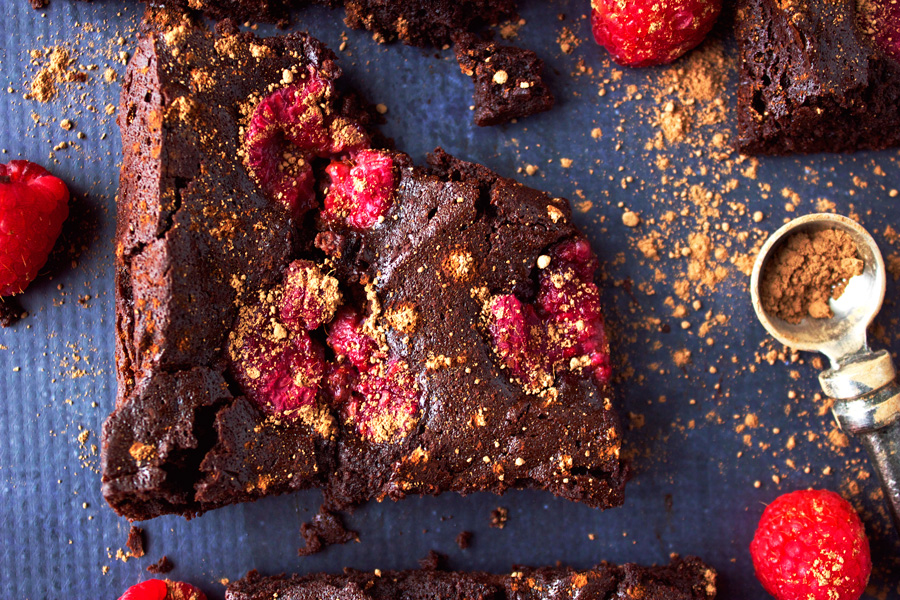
{"x": 861, "y": 381}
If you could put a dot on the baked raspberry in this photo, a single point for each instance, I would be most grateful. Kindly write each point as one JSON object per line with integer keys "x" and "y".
{"x": 309, "y": 298}
{"x": 33, "y": 206}
{"x": 640, "y": 33}
{"x": 362, "y": 190}
{"x": 569, "y": 302}
{"x": 811, "y": 545}
{"x": 886, "y": 26}
{"x": 373, "y": 392}
{"x": 157, "y": 589}
{"x": 340, "y": 380}
{"x": 346, "y": 338}
{"x": 287, "y": 130}
{"x": 519, "y": 337}
{"x": 279, "y": 369}
{"x": 385, "y": 402}
{"x": 564, "y": 330}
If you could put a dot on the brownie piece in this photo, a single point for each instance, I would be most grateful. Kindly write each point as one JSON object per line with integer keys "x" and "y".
{"x": 297, "y": 309}
{"x": 811, "y": 80}
{"x": 426, "y": 22}
{"x": 682, "y": 579}
{"x": 508, "y": 80}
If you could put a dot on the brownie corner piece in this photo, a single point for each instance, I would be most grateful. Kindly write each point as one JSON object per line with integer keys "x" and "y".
{"x": 296, "y": 307}
{"x": 508, "y": 80}
{"x": 812, "y": 80}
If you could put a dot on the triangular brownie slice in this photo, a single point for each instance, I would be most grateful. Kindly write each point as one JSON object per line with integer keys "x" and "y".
{"x": 296, "y": 308}
{"x": 814, "y": 78}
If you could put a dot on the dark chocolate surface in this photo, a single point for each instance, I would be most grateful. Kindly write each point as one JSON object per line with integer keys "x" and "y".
{"x": 682, "y": 579}
{"x": 693, "y": 488}
{"x": 197, "y": 239}
{"x": 509, "y": 81}
{"x": 811, "y": 81}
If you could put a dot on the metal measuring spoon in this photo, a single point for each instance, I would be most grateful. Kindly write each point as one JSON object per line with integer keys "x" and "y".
{"x": 861, "y": 381}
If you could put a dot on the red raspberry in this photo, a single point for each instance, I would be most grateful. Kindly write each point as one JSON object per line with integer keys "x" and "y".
{"x": 362, "y": 191}
{"x": 564, "y": 331}
{"x": 33, "y": 206}
{"x": 157, "y": 589}
{"x": 519, "y": 339}
{"x": 569, "y": 301}
{"x": 640, "y": 33}
{"x": 310, "y": 297}
{"x": 811, "y": 545}
{"x": 385, "y": 403}
{"x": 376, "y": 393}
{"x": 287, "y": 130}
{"x": 346, "y": 338}
{"x": 278, "y": 369}
{"x": 886, "y": 26}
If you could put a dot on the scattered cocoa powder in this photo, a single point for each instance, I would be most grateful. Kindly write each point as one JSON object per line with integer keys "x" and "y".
{"x": 806, "y": 271}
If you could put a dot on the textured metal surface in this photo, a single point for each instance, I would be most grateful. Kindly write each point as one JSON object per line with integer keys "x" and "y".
{"x": 693, "y": 490}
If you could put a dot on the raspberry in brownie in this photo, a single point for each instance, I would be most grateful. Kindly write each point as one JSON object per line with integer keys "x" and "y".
{"x": 298, "y": 308}
{"x": 814, "y": 78}
{"x": 682, "y": 579}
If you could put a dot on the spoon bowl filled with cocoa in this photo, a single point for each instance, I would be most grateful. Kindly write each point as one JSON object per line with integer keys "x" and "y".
{"x": 816, "y": 285}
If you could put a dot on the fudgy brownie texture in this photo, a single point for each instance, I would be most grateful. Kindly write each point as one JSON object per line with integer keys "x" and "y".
{"x": 811, "y": 80}
{"x": 296, "y": 309}
{"x": 508, "y": 81}
{"x": 414, "y": 22}
{"x": 682, "y": 579}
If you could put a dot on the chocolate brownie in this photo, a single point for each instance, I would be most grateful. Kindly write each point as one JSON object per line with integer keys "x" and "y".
{"x": 508, "y": 81}
{"x": 682, "y": 579}
{"x": 296, "y": 308}
{"x": 812, "y": 79}
{"x": 414, "y": 22}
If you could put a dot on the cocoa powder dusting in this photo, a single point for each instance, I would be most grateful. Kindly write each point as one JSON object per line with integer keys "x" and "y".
{"x": 806, "y": 271}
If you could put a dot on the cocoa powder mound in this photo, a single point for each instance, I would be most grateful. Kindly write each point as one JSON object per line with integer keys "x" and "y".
{"x": 806, "y": 271}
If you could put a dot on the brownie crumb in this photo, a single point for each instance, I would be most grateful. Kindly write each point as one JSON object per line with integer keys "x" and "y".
{"x": 464, "y": 539}
{"x": 508, "y": 81}
{"x": 499, "y": 517}
{"x": 433, "y": 562}
{"x": 806, "y": 271}
{"x": 11, "y": 312}
{"x": 325, "y": 530}
{"x": 136, "y": 541}
{"x": 161, "y": 567}
{"x": 36, "y": 4}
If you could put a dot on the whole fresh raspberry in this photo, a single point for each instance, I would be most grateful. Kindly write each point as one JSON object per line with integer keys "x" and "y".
{"x": 811, "y": 545}
{"x": 33, "y": 206}
{"x": 641, "y": 33}
{"x": 157, "y": 589}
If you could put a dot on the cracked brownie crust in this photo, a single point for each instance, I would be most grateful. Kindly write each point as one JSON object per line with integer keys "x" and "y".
{"x": 811, "y": 80}
{"x": 682, "y": 579}
{"x": 385, "y": 330}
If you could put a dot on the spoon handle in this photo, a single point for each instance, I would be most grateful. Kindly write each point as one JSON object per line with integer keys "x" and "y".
{"x": 874, "y": 416}
{"x": 883, "y": 447}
